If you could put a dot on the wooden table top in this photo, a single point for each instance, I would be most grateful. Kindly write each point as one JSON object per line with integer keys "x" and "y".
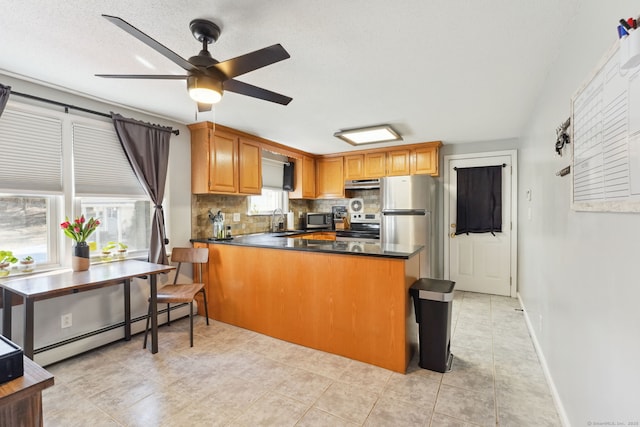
{"x": 48, "y": 285}
{"x": 35, "y": 379}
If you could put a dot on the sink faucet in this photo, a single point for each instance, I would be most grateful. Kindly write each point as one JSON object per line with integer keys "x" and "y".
{"x": 277, "y": 220}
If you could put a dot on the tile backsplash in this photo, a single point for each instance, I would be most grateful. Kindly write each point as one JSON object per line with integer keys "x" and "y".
{"x": 201, "y": 227}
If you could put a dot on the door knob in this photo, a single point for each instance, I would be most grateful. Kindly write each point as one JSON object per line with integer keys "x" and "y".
{"x": 453, "y": 226}
{"x": 453, "y": 235}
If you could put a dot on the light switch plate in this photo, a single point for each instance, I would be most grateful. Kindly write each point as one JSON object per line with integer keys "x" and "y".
{"x": 236, "y": 217}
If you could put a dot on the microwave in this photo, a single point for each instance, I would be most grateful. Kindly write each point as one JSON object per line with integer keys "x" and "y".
{"x": 318, "y": 220}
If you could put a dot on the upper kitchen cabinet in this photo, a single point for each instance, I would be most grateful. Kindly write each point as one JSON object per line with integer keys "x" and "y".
{"x": 329, "y": 177}
{"x": 354, "y": 166}
{"x": 375, "y": 165}
{"x": 223, "y": 162}
{"x": 249, "y": 167}
{"x": 305, "y": 178}
{"x": 425, "y": 160}
{"x": 408, "y": 159}
{"x": 398, "y": 162}
{"x": 367, "y": 165}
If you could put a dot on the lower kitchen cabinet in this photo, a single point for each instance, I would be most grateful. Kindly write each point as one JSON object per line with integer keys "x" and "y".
{"x": 350, "y": 305}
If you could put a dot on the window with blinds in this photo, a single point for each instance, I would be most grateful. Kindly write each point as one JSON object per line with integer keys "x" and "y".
{"x": 44, "y": 151}
{"x": 100, "y": 165}
{"x": 31, "y": 152}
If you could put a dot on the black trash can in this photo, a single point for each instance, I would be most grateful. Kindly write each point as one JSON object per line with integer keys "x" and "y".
{"x": 433, "y": 301}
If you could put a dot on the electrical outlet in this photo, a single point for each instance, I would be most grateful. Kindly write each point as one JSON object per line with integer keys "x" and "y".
{"x": 236, "y": 217}
{"x": 66, "y": 321}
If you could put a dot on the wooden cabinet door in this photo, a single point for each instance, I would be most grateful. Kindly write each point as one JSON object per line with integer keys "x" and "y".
{"x": 249, "y": 167}
{"x": 200, "y": 136}
{"x": 305, "y": 179}
{"x": 354, "y": 166}
{"x": 308, "y": 177}
{"x": 223, "y": 169}
{"x": 398, "y": 162}
{"x": 425, "y": 161}
{"x": 375, "y": 165}
{"x": 329, "y": 177}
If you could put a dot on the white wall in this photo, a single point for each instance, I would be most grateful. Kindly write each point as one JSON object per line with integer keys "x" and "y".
{"x": 578, "y": 271}
{"x": 100, "y": 308}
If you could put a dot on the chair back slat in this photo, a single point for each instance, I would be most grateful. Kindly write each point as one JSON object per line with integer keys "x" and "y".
{"x": 196, "y": 256}
{"x": 193, "y": 255}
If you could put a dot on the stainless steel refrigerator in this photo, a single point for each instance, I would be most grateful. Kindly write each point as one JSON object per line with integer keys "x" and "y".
{"x": 409, "y": 215}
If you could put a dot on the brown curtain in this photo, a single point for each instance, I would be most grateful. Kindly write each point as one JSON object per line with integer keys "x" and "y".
{"x": 5, "y": 91}
{"x": 147, "y": 147}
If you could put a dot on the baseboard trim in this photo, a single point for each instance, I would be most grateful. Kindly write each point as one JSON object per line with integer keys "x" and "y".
{"x": 90, "y": 341}
{"x": 562, "y": 414}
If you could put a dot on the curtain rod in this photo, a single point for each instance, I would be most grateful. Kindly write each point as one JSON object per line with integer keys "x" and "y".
{"x": 73, "y": 107}
{"x": 504, "y": 165}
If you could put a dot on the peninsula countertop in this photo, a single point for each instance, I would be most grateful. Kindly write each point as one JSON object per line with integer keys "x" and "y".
{"x": 285, "y": 240}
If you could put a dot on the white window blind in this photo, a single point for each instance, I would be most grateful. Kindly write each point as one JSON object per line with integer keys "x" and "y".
{"x": 272, "y": 171}
{"x": 100, "y": 164}
{"x": 31, "y": 152}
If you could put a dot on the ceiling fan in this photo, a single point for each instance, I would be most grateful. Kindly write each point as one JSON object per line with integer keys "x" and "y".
{"x": 207, "y": 78}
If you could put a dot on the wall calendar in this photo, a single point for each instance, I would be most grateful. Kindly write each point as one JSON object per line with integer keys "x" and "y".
{"x": 605, "y": 119}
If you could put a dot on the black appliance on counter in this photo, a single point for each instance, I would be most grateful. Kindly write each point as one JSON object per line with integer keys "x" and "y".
{"x": 11, "y": 360}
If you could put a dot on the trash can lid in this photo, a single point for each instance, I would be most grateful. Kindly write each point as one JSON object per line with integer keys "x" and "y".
{"x": 432, "y": 289}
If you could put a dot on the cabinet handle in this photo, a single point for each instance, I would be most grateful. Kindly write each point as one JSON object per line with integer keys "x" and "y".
{"x": 453, "y": 235}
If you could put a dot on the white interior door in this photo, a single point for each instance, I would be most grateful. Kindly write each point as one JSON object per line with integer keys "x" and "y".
{"x": 481, "y": 262}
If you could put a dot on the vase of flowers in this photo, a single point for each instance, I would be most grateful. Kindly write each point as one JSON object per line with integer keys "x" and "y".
{"x": 79, "y": 230}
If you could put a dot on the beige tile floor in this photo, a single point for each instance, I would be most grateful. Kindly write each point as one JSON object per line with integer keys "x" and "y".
{"x": 235, "y": 377}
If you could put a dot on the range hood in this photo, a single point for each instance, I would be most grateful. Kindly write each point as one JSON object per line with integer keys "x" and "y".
{"x": 362, "y": 184}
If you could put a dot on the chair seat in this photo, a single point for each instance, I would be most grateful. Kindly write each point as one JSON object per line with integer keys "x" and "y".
{"x": 178, "y": 293}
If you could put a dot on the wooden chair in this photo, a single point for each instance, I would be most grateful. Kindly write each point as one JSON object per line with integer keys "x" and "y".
{"x": 183, "y": 292}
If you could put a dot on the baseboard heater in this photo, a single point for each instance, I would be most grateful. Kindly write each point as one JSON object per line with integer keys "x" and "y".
{"x": 105, "y": 329}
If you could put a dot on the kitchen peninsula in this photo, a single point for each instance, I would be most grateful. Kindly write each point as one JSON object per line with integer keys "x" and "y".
{"x": 346, "y": 298}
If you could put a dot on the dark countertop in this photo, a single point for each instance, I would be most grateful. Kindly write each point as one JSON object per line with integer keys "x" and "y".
{"x": 280, "y": 240}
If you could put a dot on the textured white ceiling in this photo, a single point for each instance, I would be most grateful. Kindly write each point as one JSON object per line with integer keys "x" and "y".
{"x": 452, "y": 70}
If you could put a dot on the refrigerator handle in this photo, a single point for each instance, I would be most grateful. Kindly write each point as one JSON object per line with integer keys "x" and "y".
{"x": 404, "y": 212}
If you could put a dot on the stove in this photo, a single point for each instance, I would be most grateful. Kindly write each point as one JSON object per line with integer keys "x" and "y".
{"x": 364, "y": 228}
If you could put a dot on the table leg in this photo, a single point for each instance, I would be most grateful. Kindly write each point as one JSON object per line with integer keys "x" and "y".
{"x": 7, "y": 297}
{"x": 127, "y": 309}
{"x": 28, "y": 327}
{"x": 154, "y": 312}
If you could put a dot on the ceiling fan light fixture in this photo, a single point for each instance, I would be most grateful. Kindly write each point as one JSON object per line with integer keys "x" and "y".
{"x": 204, "y": 89}
{"x": 369, "y": 135}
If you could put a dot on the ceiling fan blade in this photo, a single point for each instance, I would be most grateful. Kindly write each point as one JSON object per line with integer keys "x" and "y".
{"x": 252, "y": 61}
{"x": 255, "y": 91}
{"x": 204, "y": 107}
{"x": 143, "y": 76}
{"x": 163, "y": 50}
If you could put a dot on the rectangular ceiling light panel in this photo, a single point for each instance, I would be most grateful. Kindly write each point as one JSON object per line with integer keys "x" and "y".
{"x": 369, "y": 135}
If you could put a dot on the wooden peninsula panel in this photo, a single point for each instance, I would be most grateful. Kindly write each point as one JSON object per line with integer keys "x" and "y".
{"x": 354, "y": 306}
